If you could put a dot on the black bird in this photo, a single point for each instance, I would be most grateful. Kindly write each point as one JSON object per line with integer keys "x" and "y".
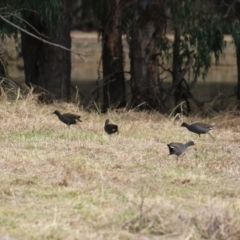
{"x": 178, "y": 148}
{"x": 198, "y": 128}
{"x": 110, "y": 128}
{"x": 68, "y": 118}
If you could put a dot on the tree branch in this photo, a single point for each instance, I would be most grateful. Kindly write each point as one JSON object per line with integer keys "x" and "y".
{"x": 41, "y": 39}
{"x": 231, "y": 6}
{"x": 165, "y": 69}
{"x": 10, "y": 14}
{"x": 178, "y": 80}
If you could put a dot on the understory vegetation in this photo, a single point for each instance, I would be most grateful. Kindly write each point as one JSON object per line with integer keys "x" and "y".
{"x": 80, "y": 183}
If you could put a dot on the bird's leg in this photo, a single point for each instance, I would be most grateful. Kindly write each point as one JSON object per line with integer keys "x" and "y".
{"x": 211, "y": 136}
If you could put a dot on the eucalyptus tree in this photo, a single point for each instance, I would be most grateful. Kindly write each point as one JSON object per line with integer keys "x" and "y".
{"x": 109, "y": 14}
{"x": 231, "y": 15}
{"x": 46, "y": 66}
{"x": 197, "y": 31}
{"x": 198, "y": 34}
{"x": 229, "y": 10}
{"x": 148, "y": 24}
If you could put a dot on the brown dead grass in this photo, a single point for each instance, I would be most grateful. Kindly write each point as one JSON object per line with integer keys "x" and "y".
{"x": 79, "y": 183}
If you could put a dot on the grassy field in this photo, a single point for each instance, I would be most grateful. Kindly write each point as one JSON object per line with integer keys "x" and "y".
{"x": 80, "y": 183}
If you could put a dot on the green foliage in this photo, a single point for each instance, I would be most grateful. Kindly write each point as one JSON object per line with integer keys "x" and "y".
{"x": 165, "y": 46}
{"x": 206, "y": 38}
{"x": 7, "y": 10}
{"x": 201, "y": 35}
{"x": 201, "y": 31}
{"x": 46, "y": 12}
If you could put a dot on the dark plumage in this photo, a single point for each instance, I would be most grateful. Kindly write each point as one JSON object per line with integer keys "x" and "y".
{"x": 110, "y": 128}
{"x": 198, "y": 128}
{"x": 68, "y": 118}
{"x": 178, "y": 148}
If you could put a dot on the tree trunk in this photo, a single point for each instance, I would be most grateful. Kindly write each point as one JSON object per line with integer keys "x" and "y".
{"x": 176, "y": 50}
{"x": 238, "y": 72}
{"x": 146, "y": 91}
{"x": 237, "y": 10}
{"x": 47, "y": 66}
{"x": 112, "y": 56}
{"x": 179, "y": 95}
{"x": 176, "y": 67}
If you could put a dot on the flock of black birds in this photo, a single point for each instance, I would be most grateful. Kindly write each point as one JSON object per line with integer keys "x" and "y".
{"x": 198, "y": 128}
{"x": 174, "y": 147}
{"x": 69, "y": 119}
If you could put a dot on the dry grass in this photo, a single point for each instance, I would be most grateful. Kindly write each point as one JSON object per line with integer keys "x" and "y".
{"x": 79, "y": 183}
